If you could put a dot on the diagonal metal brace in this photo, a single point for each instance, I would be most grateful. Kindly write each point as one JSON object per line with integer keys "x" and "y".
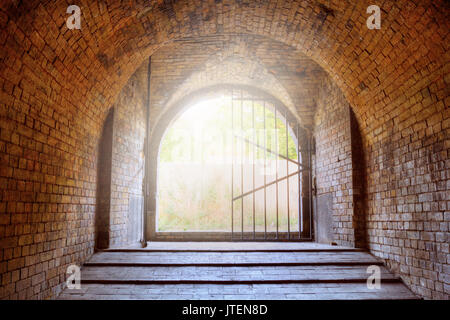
{"x": 272, "y": 152}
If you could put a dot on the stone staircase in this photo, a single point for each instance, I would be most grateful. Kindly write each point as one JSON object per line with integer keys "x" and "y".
{"x": 234, "y": 271}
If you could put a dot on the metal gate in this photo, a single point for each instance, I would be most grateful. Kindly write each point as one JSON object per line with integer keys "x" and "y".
{"x": 271, "y": 183}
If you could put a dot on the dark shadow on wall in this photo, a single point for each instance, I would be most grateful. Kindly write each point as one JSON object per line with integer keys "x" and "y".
{"x": 359, "y": 184}
{"x": 104, "y": 164}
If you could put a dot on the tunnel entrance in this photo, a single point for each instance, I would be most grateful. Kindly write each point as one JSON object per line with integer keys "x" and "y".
{"x": 234, "y": 166}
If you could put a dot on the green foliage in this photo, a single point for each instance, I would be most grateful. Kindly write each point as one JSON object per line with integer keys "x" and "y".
{"x": 194, "y": 189}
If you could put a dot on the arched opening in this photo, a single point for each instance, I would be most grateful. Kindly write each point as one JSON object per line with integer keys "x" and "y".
{"x": 232, "y": 163}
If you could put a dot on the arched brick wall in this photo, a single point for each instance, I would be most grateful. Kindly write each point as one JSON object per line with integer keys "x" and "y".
{"x": 188, "y": 65}
{"x": 164, "y": 122}
{"x": 56, "y": 85}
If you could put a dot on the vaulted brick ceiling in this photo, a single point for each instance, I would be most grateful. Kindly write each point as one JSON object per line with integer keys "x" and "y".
{"x": 92, "y": 65}
{"x": 58, "y": 84}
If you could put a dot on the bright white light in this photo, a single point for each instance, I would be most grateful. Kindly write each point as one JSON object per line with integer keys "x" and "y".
{"x": 203, "y": 111}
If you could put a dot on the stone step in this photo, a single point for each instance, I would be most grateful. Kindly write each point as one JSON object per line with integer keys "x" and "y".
{"x": 234, "y": 271}
{"x": 297, "y": 291}
{"x": 231, "y": 258}
{"x": 229, "y": 275}
{"x": 235, "y": 246}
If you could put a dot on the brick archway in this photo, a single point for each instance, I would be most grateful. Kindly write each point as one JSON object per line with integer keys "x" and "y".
{"x": 58, "y": 84}
{"x": 125, "y": 35}
{"x": 164, "y": 124}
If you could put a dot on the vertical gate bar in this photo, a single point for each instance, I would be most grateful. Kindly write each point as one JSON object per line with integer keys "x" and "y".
{"x": 242, "y": 167}
{"x": 232, "y": 163}
{"x": 265, "y": 178}
{"x": 253, "y": 164}
{"x": 299, "y": 186}
{"x": 276, "y": 162}
{"x": 287, "y": 176}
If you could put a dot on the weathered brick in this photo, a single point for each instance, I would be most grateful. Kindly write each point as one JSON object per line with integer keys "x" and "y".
{"x": 57, "y": 84}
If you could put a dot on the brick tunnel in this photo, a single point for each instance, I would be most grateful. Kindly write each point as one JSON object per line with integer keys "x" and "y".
{"x": 84, "y": 112}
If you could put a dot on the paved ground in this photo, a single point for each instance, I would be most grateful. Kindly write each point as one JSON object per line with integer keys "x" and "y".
{"x": 230, "y": 246}
{"x": 241, "y": 271}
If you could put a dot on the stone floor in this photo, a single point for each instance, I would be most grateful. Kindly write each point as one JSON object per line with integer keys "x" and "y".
{"x": 243, "y": 271}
